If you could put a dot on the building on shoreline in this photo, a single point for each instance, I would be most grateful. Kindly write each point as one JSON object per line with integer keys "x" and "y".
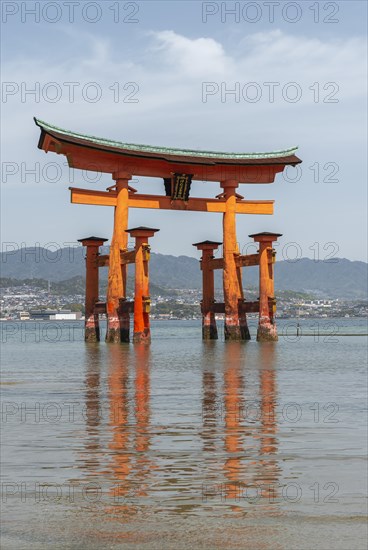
{"x": 53, "y": 315}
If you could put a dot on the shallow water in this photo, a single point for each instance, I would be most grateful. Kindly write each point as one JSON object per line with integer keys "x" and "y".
{"x": 184, "y": 443}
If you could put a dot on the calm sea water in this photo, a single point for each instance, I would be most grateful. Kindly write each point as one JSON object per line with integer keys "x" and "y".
{"x": 185, "y": 443}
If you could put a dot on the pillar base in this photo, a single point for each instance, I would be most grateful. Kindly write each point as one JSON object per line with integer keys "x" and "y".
{"x": 91, "y": 329}
{"x": 236, "y": 329}
{"x": 209, "y": 332}
{"x": 237, "y": 332}
{"x": 233, "y": 332}
{"x": 244, "y": 331}
{"x": 143, "y": 337}
{"x": 267, "y": 332}
{"x": 116, "y": 336}
{"x": 92, "y": 334}
{"x": 118, "y": 329}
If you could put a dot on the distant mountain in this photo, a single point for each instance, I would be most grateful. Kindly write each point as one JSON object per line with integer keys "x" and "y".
{"x": 337, "y": 278}
{"x": 76, "y": 285}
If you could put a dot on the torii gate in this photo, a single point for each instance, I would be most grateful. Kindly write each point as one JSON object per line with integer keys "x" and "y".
{"x": 177, "y": 168}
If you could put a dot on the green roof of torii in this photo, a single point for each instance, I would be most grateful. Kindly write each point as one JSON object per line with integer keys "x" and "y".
{"x": 139, "y": 148}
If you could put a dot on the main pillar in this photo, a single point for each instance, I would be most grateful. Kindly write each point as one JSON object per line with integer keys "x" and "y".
{"x": 209, "y": 328}
{"x": 91, "y": 324}
{"x": 117, "y": 315}
{"x": 267, "y": 330}
{"x": 236, "y": 327}
{"x": 142, "y": 301}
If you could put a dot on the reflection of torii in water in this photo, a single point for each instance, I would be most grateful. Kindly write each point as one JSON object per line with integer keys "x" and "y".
{"x": 234, "y": 431}
{"x": 236, "y": 423}
{"x": 116, "y": 459}
{"x": 142, "y": 416}
{"x": 129, "y": 457}
{"x": 268, "y": 448}
{"x": 92, "y": 410}
{"x": 242, "y": 472}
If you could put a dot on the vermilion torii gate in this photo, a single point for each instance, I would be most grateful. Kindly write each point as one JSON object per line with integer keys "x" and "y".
{"x": 177, "y": 168}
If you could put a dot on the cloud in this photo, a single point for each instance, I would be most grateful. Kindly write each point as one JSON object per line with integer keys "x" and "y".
{"x": 174, "y": 66}
{"x": 169, "y": 70}
{"x": 161, "y": 90}
{"x": 291, "y": 57}
{"x": 196, "y": 57}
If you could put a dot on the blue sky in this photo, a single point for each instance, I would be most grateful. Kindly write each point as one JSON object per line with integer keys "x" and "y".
{"x": 162, "y": 74}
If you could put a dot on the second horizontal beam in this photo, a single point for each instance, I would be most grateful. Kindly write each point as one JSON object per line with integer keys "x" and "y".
{"x": 161, "y": 202}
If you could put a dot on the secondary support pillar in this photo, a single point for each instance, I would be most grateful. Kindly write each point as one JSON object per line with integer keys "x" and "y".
{"x": 117, "y": 315}
{"x": 267, "y": 330}
{"x": 209, "y": 328}
{"x": 235, "y": 327}
{"x": 142, "y": 301}
{"x": 244, "y": 330}
{"x": 91, "y": 324}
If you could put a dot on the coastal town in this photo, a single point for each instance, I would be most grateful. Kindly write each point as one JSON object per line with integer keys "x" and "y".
{"x": 43, "y": 300}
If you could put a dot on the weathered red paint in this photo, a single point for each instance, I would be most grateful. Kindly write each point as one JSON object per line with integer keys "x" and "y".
{"x": 267, "y": 330}
{"x": 209, "y": 328}
{"x": 118, "y": 320}
{"x": 92, "y": 329}
{"x": 142, "y": 332}
{"x": 235, "y": 327}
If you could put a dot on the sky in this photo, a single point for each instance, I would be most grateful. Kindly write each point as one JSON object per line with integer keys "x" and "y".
{"x": 225, "y": 76}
